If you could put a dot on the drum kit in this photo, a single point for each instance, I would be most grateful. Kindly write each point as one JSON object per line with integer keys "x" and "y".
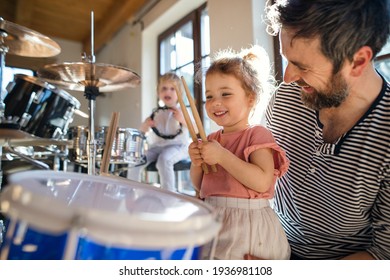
{"x": 37, "y": 108}
{"x": 56, "y": 214}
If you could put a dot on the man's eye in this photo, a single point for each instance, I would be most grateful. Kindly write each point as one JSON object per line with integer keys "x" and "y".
{"x": 303, "y": 69}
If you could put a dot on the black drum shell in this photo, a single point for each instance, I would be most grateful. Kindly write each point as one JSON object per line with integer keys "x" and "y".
{"x": 39, "y": 108}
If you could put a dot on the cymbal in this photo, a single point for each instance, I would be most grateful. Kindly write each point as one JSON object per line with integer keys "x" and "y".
{"x": 10, "y": 133}
{"x": 78, "y": 75}
{"x": 22, "y": 41}
{"x": 17, "y": 137}
{"x": 40, "y": 142}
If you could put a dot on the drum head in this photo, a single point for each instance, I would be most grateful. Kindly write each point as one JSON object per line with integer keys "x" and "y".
{"x": 112, "y": 209}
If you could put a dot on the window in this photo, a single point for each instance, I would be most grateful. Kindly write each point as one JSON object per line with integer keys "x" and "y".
{"x": 8, "y": 76}
{"x": 382, "y": 61}
{"x": 182, "y": 48}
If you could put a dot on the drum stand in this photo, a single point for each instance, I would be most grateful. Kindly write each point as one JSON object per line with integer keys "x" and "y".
{"x": 90, "y": 93}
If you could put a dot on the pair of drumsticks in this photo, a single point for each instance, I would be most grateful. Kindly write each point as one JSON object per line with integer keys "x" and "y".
{"x": 189, "y": 122}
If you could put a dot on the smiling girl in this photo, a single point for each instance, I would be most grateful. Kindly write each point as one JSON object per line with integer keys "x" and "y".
{"x": 248, "y": 159}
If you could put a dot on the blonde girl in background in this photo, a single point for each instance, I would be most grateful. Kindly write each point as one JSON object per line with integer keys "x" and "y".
{"x": 166, "y": 133}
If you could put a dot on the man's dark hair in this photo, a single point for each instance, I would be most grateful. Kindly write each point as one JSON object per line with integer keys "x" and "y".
{"x": 343, "y": 26}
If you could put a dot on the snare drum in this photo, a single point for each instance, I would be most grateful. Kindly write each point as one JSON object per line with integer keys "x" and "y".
{"x": 39, "y": 108}
{"x": 128, "y": 146}
{"x": 66, "y": 215}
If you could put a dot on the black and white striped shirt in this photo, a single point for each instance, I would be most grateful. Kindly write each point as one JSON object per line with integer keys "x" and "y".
{"x": 335, "y": 198}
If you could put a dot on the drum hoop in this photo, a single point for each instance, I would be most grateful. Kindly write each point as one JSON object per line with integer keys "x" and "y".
{"x": 62, "y": 93}
{"x": 134, "y": 221}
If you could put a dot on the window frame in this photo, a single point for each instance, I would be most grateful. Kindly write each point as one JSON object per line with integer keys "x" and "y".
{"x": 195, "y": 18}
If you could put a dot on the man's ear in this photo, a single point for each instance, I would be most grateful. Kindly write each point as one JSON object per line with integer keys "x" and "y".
{"x": 361, "y": 59}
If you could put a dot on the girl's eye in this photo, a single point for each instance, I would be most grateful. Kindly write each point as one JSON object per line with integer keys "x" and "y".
{"x": 209, "y": 97}
{"x": 226, "y": 94}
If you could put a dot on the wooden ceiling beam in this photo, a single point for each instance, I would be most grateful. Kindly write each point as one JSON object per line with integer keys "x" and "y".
{"x": 111, "y": 22}
{"x": 24, "y": 11}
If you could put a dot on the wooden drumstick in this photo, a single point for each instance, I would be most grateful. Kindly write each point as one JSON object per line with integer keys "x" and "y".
{"x": 112, "y": 129}
{"x": 195, "y": 113}
{"x": 189, "y": 123}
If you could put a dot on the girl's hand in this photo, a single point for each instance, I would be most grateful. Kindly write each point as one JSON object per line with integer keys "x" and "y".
{"x": 194, "y": 153}
{"x": 148, "y": 123}
{"x": 251, "y": 257}
{"x": 178, "y": 115}
{"x": 211, "y": 152}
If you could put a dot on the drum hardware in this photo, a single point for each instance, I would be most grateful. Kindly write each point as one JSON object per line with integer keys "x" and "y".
{"x": 35, "y": 151}
{"x": 26, "y": 150}
{"x": 2, "y": 230}
{"x": 128, "y": 147}
{"x": 92, "y": 78}
{"x": 21, "y": 41}
{"x": 81, "y": 114}
{"x": 88, "y": 76}
{"x": 36, "y": 163}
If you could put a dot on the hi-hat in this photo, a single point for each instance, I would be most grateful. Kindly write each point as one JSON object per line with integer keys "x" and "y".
{"x": 78, "y": 75}
{"x": 22, "y": 41}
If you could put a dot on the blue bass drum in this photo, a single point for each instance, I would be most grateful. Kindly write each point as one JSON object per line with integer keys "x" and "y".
{"x": 67, "y": 215}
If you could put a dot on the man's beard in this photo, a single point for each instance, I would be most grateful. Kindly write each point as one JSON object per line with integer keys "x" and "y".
{"x": 333, "y": 96}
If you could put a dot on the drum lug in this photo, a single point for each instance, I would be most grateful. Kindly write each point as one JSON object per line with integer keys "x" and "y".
{"x": 25, "y": 119}
{"x": 57, "y": 134}
{"x": 10, "y": 86}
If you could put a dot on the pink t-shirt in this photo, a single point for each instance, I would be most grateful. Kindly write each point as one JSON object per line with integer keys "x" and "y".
{"x": 242, "y": 144}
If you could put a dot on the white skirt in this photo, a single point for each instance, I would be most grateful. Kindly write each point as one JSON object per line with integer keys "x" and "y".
{"x": 249, "y": 226}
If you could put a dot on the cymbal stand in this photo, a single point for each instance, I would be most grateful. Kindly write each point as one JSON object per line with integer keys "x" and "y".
{"x": 91, "y": 91}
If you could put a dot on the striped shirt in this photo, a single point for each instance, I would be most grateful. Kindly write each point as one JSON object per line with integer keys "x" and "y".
{"x": 335, "y": 198}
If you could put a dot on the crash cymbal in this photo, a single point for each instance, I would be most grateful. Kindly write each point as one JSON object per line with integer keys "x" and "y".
{"x": 78, "y": 75}
{"x": 26, "y": 42}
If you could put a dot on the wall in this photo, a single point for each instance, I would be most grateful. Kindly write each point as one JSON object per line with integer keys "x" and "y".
{"x": 234, "y": 24}
{"x": 71, "y": 52}
{"x": 125, "y": 51}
